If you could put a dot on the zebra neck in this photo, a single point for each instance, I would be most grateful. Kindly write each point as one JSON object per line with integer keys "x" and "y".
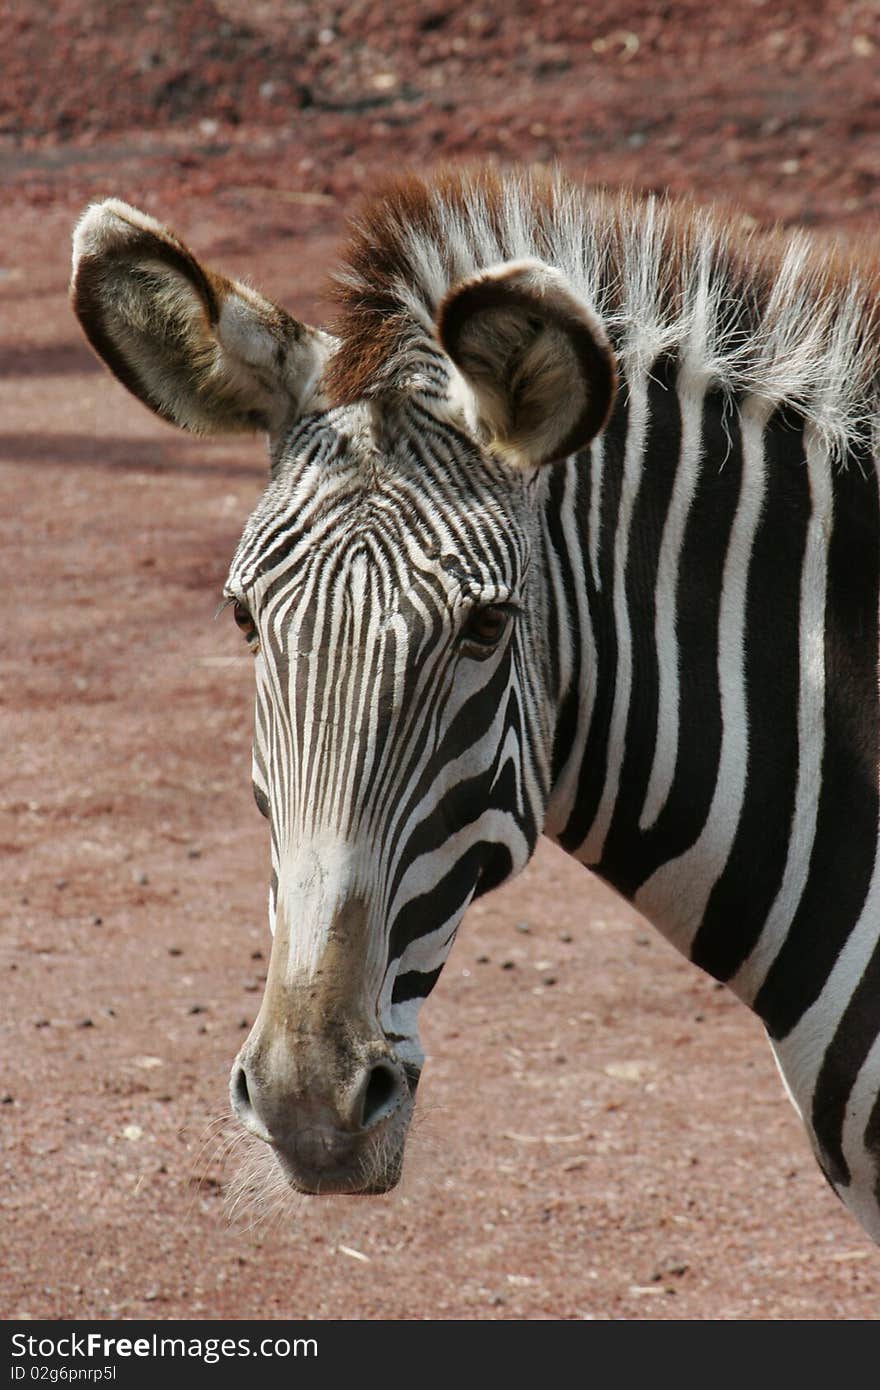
{"x": 717, "y": 718}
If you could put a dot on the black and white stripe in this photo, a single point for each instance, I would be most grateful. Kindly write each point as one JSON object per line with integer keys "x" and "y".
{"x": 688, "y": 696}
{"x": 379, "y": 738}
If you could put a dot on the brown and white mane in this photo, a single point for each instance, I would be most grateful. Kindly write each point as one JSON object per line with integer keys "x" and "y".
{"x": 778, "y": 314}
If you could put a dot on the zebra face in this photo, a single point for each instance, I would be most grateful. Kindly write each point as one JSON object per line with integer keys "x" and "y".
{"x": 384, "y": 583}
{"x": 394, "y": 647}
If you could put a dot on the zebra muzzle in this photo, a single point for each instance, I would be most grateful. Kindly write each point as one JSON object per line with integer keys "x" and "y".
{"x": 318, "y": 1079}
{"x": 326, "y": 1138}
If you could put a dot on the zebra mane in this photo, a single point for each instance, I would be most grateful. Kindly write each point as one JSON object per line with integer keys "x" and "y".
{"x": 779, "y": 315}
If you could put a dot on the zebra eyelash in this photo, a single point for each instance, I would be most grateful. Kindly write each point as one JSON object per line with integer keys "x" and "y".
{"x": 480, "y": 647}
{"x": 244, "y": 620}
{"x": 475, "y": 604}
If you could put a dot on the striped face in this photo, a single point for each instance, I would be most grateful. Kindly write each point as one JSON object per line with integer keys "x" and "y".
{"x": 382, "y": 584}
{"x": 403, "y": 736}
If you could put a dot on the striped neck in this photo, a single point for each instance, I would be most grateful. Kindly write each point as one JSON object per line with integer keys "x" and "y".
{"x": 704, "y": 762}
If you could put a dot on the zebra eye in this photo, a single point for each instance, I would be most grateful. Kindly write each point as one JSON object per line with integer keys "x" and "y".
{"x": 486, "y": 626}
{"x": 245, "y": 623}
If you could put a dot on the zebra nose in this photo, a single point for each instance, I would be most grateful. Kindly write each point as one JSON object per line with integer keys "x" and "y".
{"x": 274, "y": 1113}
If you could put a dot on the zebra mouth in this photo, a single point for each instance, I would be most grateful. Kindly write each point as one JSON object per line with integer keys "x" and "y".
{"x": 364, "y": 1169}
{"x": 353, "y": 1184}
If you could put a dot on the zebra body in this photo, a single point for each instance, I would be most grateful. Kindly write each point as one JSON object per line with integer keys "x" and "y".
{"x": 573, "y": 528}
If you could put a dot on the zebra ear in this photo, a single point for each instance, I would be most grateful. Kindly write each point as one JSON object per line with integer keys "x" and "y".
{"x": 207, "y": 353}
{"x": 535, "y": 357}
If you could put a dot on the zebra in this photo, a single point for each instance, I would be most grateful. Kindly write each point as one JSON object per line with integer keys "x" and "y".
{"x": 572, "y": 527}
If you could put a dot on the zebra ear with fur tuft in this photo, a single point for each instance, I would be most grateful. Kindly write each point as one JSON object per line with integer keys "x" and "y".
{"x": 535, "y": 358}
{"x": 207, "y": 353}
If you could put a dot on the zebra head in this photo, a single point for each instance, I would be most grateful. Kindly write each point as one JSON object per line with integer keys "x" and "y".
{"x": 390, "y": 587}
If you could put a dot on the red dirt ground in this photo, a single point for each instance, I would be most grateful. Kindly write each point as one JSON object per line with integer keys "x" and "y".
{"x": 602, "y": 1132}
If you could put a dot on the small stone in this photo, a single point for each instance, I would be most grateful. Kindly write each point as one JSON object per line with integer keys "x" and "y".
{"x": 483, "y": 960}
{"x": 508, "y": 965}
{"x": 627, "y": 1071}
{"x": 566, "y": 936}
{"x": 97, "y": 921}
{"x": 132, "y": 1133}
{"x": 196, "y": 1009}
{"x": 85, "y": 1023}
{"x": 522, "y": 927}
{"x": 175, "y": 951}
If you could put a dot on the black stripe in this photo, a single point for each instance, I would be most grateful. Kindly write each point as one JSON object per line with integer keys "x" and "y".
{"x": 745, "y": 892}
{"x": 458, "y": 806}
{"x": 855, "y": 1036}
{"x": 564, "y": 610}
{"x": 872, "y": 1141}
{"x": 620, "y": 859}
{"x": 698, "y": 602}
{"x": 415, "y": 984}
{"x": 447, "y": 897}
{"x": 846, "y": 829}
{"x": 595, "y": 760}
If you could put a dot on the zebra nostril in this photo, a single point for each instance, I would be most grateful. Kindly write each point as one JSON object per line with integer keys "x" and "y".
{"x": 240, "y": 1095}
{"x": 244, "y": 1106}
{"x": 381, "y": 1094}
{"x": 240, "y": 1091}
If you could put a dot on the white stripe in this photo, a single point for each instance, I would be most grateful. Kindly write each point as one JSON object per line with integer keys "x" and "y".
{"x": 397, "y": 833}
{"x": 426, "y": 871}
{"x": 675, "y": 897}
{"x": 691, "y": 392}
{"x": 811, "y": 727}
{"x": 801, "y": 1053}
{"x": 861, "y": 1195}
{"x": 597, "y": 467}
{"x": 590, "y": 851}
{"x": 564, "y": 792}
